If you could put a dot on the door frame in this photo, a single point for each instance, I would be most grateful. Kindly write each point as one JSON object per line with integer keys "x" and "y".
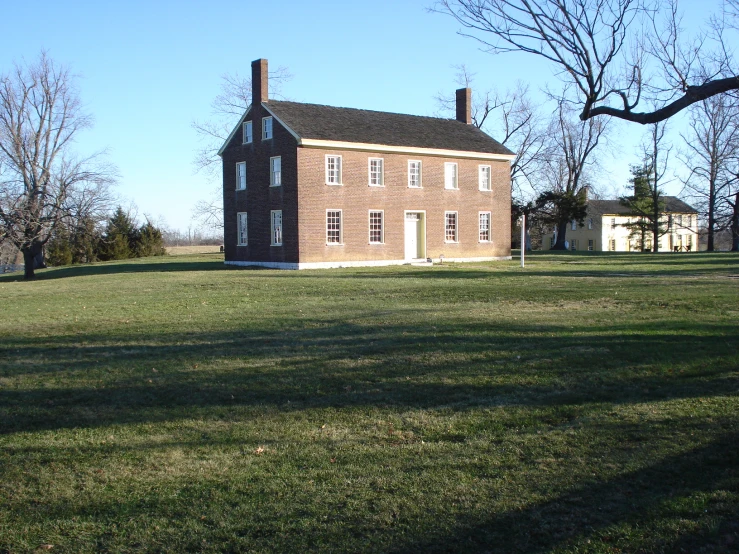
{"x": 422, "y": 220}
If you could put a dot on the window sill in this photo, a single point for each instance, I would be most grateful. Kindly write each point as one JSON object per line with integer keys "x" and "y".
{"x": 451, "y": 242}
{"x": 275, "y": 186}
{"x": 239, "y": 190}
{"x": 376, "y": 243}
{"x": 335, "y": 184}
{"x": 276, "y": 244}
{"x": 377, "y": 186}
{"x": 451, "y": 188}
{"x": 242, "y": 245}
{"x": 410, "y": 187}
{"x": 334, "y": 244}
{"x": 485, "y": 241}
{"x": 485, "y": 190}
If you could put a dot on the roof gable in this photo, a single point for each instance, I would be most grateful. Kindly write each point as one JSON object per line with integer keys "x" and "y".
{"x": 235, "y": 130}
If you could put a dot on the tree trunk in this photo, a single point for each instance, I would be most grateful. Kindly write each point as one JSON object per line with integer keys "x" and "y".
{"x": 559, "y": 244}
{"x": 655, "y": 219}
{"x": 28, "y": 272}
{"x": 711, "y": 216}
{"x": 735, "y": 225}
{"x": 33, "y": 259}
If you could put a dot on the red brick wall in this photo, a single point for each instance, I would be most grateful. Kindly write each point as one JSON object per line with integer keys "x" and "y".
{"x": 355, "y": 197}
{"x": 259, "y": 198}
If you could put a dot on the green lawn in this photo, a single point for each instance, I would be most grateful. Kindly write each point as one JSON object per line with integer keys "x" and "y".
{"x": 586, "y": 403}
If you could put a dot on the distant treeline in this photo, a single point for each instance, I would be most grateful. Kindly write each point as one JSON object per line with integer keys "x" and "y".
{"x": 84, "y": 241}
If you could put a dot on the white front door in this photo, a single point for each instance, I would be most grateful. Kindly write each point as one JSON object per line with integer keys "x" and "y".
{"x": 411, "y": 236}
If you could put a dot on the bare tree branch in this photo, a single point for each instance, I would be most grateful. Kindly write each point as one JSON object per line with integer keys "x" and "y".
{"x": 711, "y": 155}
{"x": 608, "y": 50}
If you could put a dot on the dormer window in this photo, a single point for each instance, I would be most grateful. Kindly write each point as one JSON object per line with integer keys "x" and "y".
{"x": 266, "y": 128}
{"x": 248, "y": 132}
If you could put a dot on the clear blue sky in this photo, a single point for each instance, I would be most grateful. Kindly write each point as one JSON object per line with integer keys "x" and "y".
{"x": 148, "y": 69}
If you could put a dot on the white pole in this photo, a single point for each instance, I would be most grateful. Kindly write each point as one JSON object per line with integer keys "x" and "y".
{"x": 523, "y": 237}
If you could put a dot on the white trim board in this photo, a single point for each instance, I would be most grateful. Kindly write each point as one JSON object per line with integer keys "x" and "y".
{"x": 338, "y": 145}
{"x": 362, "y": 263}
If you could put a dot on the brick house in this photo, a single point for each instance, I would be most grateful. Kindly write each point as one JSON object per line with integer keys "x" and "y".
{"x": 309, "y": 186}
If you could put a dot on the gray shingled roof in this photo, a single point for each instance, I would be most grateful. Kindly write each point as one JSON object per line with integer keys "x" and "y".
{"x": 672, "y": 205}
{"x": 314, "y": 121}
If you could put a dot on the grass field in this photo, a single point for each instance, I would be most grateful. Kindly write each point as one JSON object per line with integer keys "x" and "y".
{"x": 586, "y": 403}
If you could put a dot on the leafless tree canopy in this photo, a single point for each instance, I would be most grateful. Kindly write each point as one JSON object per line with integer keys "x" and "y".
{"x": 41, "y": 180}
{"x": 614, "y": 53}
{"x": 572, "y": 145}
{"x": 711, "y": 154}
{"x": 571, "y": 156}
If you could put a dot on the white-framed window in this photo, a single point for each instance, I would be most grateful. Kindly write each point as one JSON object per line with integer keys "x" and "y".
{"x": 450, "y": 175}
{"x": 485, "y": 218}
{"x": 573, "y": 244}
{"x": 483, "y": 178}
{"x": 275, "y": 171}
{"x": 612, "y": 245}
{"x": 376, "y": 226}
{"x": 333, "y": 170}
{"x": 680, "y": 220}
{"x": 551, "y": 242}
{"x": 689, "y": 240}
{"x": 690, "y": 221}
{"x": 590, "y": 223}
{"x": 276, "y": 216}
{"x": 450, "y": 227}
{"x": 376, "y": 172}
{"x": 248, "y": 132}
{"x": 414, "y": 174}
{"x": 241, "y": 176}
{"x": 333, "y": 227}
{"x": 613, "y": 223}
{"x": 591, "y": 245}
{"x": 266, "y": 128}
{"x": 573, "y": 225}
{"x": 242, "y": 235}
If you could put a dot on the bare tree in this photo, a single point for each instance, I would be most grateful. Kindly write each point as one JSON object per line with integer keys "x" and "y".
{"x": 734, "y": 221}
{"x": 711, "y": 154}
{"x": 570, "y": 161}
{"x": 647, "y": 203}
{"x": 228, "y": 106}
{"x": 613, "y": 53}
{"x": 41, "y": 180}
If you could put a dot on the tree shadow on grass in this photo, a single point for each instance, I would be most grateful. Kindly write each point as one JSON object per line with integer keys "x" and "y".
{"x": 163, "y": 264}
{"x": 640, "y": 500}
{"x": 317, "y": 364}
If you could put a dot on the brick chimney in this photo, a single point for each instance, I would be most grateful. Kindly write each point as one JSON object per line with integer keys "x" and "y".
{"x": 464, "y": 105}
{"x": 260, "y": 82}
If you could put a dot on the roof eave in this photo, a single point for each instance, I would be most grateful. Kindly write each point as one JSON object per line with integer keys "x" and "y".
{"x": 386, "y": 148}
